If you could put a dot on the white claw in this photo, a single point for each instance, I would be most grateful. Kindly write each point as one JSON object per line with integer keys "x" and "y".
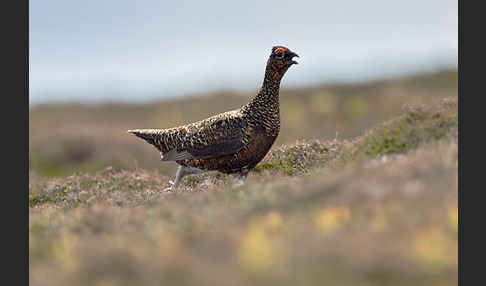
{"x": 170, "y": 188}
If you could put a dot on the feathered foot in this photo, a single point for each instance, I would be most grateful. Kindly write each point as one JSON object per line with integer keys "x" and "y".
{"x": 181, "y": 172}
{"x": 170, "y": 188}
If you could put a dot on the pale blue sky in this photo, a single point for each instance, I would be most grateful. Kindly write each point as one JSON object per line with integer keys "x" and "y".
{"x": 142, "y": 50}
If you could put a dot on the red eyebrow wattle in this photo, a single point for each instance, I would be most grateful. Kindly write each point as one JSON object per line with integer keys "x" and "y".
{"x": 279, "y": 50}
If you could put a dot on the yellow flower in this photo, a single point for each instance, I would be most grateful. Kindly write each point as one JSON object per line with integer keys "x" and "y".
{"x": 431, "y": 246}
{"x": 453, "y": 216}
{"x": 274, "y": 220}
{"x": 331, "y": 218}
{"x": 259, "y": 247}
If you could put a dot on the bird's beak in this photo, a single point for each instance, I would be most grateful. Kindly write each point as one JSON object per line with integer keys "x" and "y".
{"x": 292, "y": 56}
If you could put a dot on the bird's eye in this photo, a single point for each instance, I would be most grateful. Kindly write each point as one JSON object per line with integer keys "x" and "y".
{"x": 279, "y": 52}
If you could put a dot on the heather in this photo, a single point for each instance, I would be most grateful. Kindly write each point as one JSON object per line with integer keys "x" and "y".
{"x": 376, "y": 206}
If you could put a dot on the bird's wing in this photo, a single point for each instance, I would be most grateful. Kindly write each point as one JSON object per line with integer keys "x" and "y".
{"x": 215, "y": 137}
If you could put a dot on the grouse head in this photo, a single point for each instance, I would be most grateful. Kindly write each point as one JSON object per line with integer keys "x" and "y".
{"x": 281, "y": 59}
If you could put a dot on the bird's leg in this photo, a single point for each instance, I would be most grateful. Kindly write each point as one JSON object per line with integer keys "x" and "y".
{"x": 181, "y": 172}
{"x": 179, "y": 175}
{"x": 174, "y": 184}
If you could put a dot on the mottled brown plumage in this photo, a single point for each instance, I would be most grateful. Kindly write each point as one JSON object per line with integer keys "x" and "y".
{"x": 233, "y": 142}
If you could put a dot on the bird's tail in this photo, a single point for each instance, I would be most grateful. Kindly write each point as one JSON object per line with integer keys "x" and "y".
{"x": 152, "y": 136}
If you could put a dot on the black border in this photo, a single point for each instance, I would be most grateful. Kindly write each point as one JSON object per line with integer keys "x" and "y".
{"x": 471, "y": 86}
{"x": 15, "y": 122}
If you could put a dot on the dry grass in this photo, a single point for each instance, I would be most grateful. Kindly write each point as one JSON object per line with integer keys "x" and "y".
{"x": 380, "y": 209}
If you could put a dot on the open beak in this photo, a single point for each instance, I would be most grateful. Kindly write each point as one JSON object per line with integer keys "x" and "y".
{"x": 292, "y": 56}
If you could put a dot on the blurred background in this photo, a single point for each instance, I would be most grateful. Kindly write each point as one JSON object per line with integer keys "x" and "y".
{"x": 99, "y": 68}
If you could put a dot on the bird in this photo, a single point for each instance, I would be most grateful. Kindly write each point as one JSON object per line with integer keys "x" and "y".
{"x": 233, "y": 142}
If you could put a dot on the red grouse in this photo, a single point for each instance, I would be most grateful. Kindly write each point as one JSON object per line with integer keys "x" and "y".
{"x": 233, "y": 142}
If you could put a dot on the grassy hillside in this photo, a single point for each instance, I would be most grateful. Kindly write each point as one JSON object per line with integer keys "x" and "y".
{"x": 377, "y": 209}
{"x": 67, "y": 138}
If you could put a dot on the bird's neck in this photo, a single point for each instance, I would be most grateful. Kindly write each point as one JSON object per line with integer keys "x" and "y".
{"x": 273, "y": 76}
{"x": 268, "y": 96}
